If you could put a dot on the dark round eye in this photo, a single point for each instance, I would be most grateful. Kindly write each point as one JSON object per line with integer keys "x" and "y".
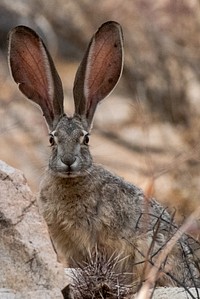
{"x": 51, "y": 140}
{"x": 86, "y": 139}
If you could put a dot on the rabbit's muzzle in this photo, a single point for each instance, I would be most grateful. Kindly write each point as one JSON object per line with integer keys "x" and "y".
{"x": 67, "y": 166}
{"x": 70, "y": 162}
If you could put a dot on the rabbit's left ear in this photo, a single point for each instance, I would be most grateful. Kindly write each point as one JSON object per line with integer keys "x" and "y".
{"x": 99, "y": 70}
{"x": 33, "y": 70}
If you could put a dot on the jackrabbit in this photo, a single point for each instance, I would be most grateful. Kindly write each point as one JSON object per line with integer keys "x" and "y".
{"x": 86, "y": 206}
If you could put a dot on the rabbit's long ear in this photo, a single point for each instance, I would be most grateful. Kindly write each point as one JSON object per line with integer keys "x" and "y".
{"x": 99, "y": 70}
{"x": 33, "y": 70}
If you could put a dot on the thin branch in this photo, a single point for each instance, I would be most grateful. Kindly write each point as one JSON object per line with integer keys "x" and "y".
{"x": 146, "y": 290}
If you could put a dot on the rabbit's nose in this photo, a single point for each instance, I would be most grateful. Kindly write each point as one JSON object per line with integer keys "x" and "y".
{"x": 68, "y": 161}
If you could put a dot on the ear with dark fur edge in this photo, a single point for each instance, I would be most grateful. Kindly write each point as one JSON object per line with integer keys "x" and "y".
{"x": 99, "y": 70}
{"x": 33, "y": 69}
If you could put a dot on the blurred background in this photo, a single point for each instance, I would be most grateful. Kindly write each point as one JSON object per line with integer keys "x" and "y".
{"x": 148, "y": 130}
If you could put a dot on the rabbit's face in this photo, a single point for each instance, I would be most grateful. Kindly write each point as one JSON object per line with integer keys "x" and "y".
{"x": 70, "y": 152}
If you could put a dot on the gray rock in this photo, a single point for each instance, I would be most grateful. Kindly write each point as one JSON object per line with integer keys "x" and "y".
{"x": 44, "y": 294}
{"x": 28, "y": 264}
{"x": 175, "y": 293}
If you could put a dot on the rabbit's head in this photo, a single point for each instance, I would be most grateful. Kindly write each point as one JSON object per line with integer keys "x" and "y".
{"x": 70, "y": 151}
{"x": 33, "y": 70}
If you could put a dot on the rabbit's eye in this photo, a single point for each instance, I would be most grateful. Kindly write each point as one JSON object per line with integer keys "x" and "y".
{"x": 86, "y": 139}
{"x": 51, "y": 140}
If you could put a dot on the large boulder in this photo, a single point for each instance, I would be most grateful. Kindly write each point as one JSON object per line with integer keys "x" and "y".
{"x": 28, "y": 264}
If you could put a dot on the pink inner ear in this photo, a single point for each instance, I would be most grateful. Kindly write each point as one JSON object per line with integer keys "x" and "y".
{"x": 104, "y": 65}
{"x": 30, "y": 65}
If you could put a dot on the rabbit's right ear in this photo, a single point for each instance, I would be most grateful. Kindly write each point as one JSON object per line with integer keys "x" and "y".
{"x": 33, "y": 70}
{"x": 99, "y": 70}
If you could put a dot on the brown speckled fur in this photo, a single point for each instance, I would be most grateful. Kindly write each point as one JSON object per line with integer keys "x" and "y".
{"x": 102, "y": 209}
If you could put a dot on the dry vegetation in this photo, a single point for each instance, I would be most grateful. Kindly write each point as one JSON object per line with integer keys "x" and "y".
{"x": 148, "y": 130}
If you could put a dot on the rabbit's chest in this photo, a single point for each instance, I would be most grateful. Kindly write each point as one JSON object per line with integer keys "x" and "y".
{"x": 73, "y": 213}
{"x": 73, "y": 224}
{"x": 69, "y": 212}
{"x": 79, "y": 221}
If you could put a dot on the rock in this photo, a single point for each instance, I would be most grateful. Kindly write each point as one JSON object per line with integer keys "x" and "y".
{"x": 175, "y": 293}
{"x": 44, "y": 294}
{"x": 28, "y": 264}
